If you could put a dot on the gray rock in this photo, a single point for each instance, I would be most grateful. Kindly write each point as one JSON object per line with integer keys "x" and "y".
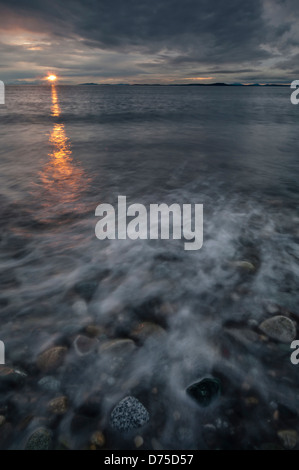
{"x": 84, "y": 345}
{"x": 129, "y": 414}
{"x": 50, "y": 384}
{"x": 279, "y": 328}
{"x": 41, "y": 439}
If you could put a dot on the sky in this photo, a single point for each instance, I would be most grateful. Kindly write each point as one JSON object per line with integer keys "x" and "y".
{"x": 149, "y": 41}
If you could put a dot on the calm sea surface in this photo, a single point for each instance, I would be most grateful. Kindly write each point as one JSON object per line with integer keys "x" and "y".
{"x": 152, "y": 318}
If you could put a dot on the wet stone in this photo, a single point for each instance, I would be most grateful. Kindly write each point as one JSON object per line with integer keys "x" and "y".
{"x": 118, "y": 346}
{"x": 49, "y": 383}
{"x": 11, "y": 377}
{"x": 94, "y": 331}
{"x": 288, "y": 438}
{"x": 51, "y": 359}
{"x": 58, "y": 406}
{"x": 84, "y": 345}
{"x": 244, "y": 265}
{"x": 205, "y": 391}
{"x": 129, "y": 414}
{"x": 41, "y": 439}
{"x": 279, "y": 328}
{"x": 98, "y": 439}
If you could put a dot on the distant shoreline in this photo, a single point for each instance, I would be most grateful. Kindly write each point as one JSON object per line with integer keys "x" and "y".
{"x": 158, "y": 84}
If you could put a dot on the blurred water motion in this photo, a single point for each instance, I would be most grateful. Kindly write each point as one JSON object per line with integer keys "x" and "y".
{"x": 145, "y": 318}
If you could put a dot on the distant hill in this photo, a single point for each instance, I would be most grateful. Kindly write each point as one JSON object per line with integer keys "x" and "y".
{"x": 186, "y": 84}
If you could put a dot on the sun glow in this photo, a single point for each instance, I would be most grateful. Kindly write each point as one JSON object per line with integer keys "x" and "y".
{"x": 52, "y": 78}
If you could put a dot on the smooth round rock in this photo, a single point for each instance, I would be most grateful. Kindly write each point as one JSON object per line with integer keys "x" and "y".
{"x": 279, "y": 328}
{"x": 205, "y": 391}
{"x": 51, "y": 359}
{"x": 129, "y": 414}
{"x": 84, "y": 345}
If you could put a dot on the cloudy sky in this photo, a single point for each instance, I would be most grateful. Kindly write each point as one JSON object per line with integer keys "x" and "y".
{"x": 149, "y": 41}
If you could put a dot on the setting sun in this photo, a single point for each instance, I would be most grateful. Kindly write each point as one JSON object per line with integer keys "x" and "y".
{"x": 52, "y": 78}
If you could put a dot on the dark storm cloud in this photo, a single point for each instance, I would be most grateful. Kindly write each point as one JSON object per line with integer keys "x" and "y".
{"x": 168, "y": 35}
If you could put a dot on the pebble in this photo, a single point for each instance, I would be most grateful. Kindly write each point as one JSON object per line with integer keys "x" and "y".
{"x": 41, "y": 439}
{"x": 138, "y": 441}
{"x": 94, "y": 331}
{"x": 51, "y": 359}
{"x": 11, "y": 377}
{"x": 58, "y": 406}
{"x": 49, "y": 384}
{"x": 205, "y": 391}
{"x": 2, "y": 420}
{"x": 129, "y": 414}
{"x": 84, "y": 345}
{"x": 98, "y": 439}
{"x": 279, "y": 328}
{"x": 122, "y": 346}
{"x": 288, "y": 438}
{"x": 245, "y": 265}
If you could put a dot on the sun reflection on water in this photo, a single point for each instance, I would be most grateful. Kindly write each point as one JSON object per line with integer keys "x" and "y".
{"x": 62, "y": 181}
{"x": 55, "y": 109}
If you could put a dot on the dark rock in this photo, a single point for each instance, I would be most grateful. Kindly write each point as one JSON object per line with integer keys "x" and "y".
{"x": 129, "y": 414}
{"x": 205, "y": 391}
{"x": 11, "y": 377}
{"x": 41, "y": 439}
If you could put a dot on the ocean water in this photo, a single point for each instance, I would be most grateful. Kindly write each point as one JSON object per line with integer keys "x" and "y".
{"x": 158, "y": 318}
